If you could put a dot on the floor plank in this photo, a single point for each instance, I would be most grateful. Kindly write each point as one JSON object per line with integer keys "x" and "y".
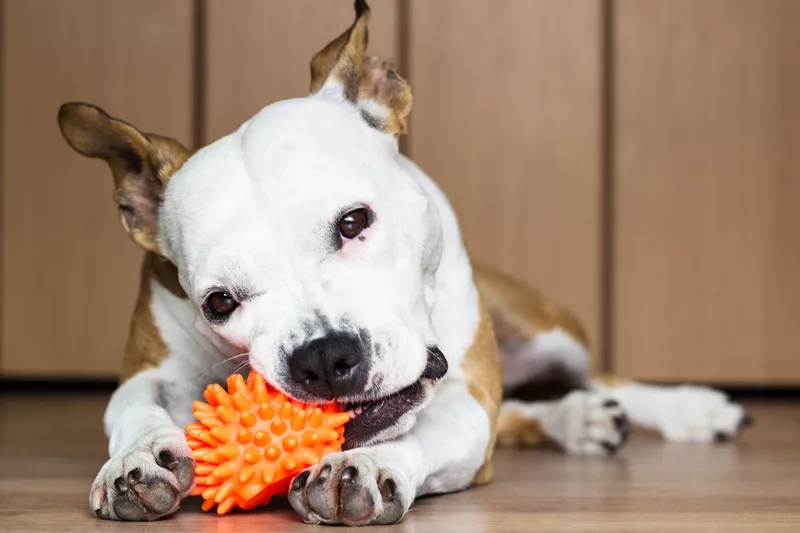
{"x": 51, "y": 447}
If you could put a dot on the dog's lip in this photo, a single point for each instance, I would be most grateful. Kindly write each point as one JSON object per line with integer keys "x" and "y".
{"x": 358, "y": 407}
{"x": 370, "y": 417}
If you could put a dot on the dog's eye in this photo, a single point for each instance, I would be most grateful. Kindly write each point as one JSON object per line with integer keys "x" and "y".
{"x": 219, "y": 305}
{"x": 353, "y": 223}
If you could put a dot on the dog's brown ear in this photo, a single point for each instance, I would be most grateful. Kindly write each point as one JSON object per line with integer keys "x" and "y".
{"x": 141, "y": 163}
{"x": 372, "y": 84}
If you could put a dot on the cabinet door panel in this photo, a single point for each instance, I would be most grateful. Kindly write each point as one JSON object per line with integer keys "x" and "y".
{"x": 707, "y": 279}
{"x": 258, "y": 52}
{"x": 506, "y": 119}
{"x": 69, "y": 272}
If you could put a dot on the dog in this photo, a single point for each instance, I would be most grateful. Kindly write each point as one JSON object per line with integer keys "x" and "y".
{"x": 304, "y": 246}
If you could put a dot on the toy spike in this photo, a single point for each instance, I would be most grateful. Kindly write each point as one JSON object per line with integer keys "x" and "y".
{"x": 251, "y": 440}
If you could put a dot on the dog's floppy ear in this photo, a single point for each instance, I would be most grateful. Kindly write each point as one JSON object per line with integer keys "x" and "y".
{"x": 141, "y": 163}
{"x": 372, "y": 84}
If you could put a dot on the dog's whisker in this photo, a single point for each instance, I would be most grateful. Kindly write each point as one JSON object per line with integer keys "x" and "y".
{"x": 239, "y": 367}
{"x": 229, "y": 359}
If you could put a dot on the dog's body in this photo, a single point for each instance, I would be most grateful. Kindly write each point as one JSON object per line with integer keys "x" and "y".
{"x": 306, "y": 247}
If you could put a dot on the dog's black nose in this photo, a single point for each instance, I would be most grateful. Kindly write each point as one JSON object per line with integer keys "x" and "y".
{"x": 331, "y": 366}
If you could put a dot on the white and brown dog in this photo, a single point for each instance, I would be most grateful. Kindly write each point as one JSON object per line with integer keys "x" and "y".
{"x": 306, "y": 247}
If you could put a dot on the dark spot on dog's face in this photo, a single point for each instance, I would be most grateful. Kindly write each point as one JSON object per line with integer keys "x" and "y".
{"x": 373, "y": 122}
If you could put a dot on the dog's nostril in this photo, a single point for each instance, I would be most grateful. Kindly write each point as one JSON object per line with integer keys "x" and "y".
{"x": 308, "y": 377}
{"x": 342, "y": 368}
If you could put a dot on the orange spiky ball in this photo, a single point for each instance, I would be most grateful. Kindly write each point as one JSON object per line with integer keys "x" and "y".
{"x": 250, "y": 441}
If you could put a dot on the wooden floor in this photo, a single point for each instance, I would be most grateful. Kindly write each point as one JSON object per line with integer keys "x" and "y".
{"x": 52, "y": 446}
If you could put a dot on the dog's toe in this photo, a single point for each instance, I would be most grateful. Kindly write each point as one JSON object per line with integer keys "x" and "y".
{"x": 347, "y": 488}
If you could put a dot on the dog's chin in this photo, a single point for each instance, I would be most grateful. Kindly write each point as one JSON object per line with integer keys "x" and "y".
{"x": 387, "y": 417}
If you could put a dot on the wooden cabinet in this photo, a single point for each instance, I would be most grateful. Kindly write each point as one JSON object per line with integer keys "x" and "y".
{"x": 707, "y": 191}
{"x": 69, "y": 271}
{"x": 506, "y": 119}
{"x": 683, "y": 133}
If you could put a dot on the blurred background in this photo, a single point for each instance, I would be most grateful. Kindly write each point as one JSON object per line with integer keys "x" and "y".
{"x": 637, "y": 160}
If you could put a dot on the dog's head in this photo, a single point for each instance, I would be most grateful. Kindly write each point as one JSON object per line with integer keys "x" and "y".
{"x": 303, "y": 238}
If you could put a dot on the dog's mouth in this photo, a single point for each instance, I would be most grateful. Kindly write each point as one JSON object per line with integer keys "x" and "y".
{"x": 371, "y": 418}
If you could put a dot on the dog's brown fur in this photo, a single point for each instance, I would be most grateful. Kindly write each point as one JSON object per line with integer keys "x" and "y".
{"x": 481, "y": 364}
{"x": 519, "y": 311}
{"x": 145, "y": 348}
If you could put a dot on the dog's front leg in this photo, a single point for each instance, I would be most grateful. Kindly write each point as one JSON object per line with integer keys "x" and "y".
{"x": 377, "y": 484}
{"x": 150, "y": 469}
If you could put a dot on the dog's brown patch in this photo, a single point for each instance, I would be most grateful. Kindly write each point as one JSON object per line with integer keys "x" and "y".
{"x": 482, "y": 367}
{"x": 514, "y": 429}
{"x": 611, "y": 381}
{"x": 165, "y": 273}
{"x": 145, "y": 348}
{"x": 519, "y": 311}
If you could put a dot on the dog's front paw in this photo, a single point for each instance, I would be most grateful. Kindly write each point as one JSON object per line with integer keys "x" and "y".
{"x": 587, "y": 423}
{"x": 349, "y": 488}
{"x": 700, "y": 414}
{"x": 146, "y": 482}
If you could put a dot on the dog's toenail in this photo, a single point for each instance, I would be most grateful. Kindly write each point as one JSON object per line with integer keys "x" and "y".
{"x": 625, "y": 432}
{"x": 325, "y": 473}
{"x": 721, "y": 436}
{"x": 102, "y": 512}
{"x": 620, "y": 422}
{"x": 134, "y": 476}
{"x": 389, "y": 490}
{"x": 746, "y": 421}
{"x": 350, "y": 474}
{"x": 300, "y": 481}
{"x": 120, "y": 485}
{"x": 610, "y": 448}
{"x": 608, "y": 404}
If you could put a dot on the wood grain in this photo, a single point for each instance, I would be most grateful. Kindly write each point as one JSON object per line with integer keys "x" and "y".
{"x": 651, "y": 486}
{"x": 259, "y": 52}
{"x": 506, "y": 119}
{"x": 70, "y": 273}
{"x": 707, "y": 110}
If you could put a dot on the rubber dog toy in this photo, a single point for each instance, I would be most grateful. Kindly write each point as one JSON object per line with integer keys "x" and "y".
{"x": 251, "y": 440}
